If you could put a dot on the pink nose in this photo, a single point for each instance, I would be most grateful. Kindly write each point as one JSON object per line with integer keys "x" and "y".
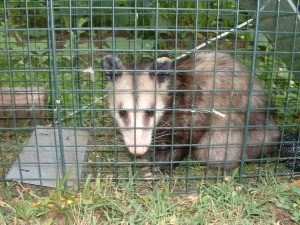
{"x": 138, "y": 150}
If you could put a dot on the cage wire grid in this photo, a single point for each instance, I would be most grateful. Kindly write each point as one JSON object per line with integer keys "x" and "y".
{"x": 54, "y": 90}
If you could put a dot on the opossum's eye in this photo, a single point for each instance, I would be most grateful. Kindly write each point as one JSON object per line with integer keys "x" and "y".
{"x": 123, "y": 114}
{"x": 150, "y": 113}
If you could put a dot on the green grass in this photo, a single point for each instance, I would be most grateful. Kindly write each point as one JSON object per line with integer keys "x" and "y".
{"x": 104, "y": 202}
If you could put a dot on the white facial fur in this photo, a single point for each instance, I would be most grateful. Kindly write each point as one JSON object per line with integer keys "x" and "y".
{"x": 138, "y": 108}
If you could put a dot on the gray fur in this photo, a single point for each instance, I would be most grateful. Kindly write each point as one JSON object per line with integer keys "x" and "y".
{"x": 221, "y": 83}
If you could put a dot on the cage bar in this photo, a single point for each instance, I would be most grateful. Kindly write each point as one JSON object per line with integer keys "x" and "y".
{"x": 51, "y": 75}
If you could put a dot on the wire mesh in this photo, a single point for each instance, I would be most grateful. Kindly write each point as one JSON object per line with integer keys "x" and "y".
{"x": 51, "y": 76}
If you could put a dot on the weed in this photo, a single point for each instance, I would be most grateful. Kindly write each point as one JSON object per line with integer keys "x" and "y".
{"x": 290, "y": 200}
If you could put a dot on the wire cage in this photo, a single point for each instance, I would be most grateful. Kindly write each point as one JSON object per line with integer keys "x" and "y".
{"x": 55, "y": 117}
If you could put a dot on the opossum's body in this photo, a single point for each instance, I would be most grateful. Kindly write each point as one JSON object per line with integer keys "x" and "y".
{"x": 177, "y": 105}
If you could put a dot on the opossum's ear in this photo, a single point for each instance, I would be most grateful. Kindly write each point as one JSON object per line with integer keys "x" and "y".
{"x": 162, "y": 66}
{"x": 112, "y": 66}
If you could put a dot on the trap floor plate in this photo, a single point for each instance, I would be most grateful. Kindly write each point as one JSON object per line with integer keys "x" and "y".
{"x": 41, "y": 160}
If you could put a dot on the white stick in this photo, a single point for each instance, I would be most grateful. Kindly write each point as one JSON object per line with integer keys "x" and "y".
{"x": 91, "y": 72}
{"x": 213, "y": 111}
{"x": 215, "y": 38}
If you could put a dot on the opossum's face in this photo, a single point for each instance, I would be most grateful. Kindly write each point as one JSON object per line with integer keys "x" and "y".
{"x": 137, "y": 99}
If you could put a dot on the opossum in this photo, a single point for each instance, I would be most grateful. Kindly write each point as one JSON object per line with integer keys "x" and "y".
{"x": 196, "y": 106}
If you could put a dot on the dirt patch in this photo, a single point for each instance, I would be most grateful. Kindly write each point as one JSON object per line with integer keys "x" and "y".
{"x": 282, "y": 216}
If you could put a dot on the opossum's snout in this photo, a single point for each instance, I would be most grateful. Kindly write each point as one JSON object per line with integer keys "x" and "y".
{"x": 138, "y": 151}
{"x": 138, "y": 140}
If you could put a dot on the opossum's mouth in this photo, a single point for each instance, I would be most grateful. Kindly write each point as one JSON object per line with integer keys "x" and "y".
{"x": 138, "y": 151}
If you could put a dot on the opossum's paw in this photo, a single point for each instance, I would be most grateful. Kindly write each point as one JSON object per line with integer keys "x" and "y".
{"x": 154, "y": 174}
{"x": 291, "y": 149}
{"x": 166, "y": 160}
{"x": 165, "y": 167}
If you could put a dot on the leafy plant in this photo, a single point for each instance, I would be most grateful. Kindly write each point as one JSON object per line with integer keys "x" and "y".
{"x": 290, "y": 200}
{"x": 282, "y": 86}
{"x": 25, "y": 211}
{"x": 208, "y": 15}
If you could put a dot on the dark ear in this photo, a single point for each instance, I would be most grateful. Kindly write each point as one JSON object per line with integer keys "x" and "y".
{"x": 111, "y": 65}
{"x": 162, "y": 66}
